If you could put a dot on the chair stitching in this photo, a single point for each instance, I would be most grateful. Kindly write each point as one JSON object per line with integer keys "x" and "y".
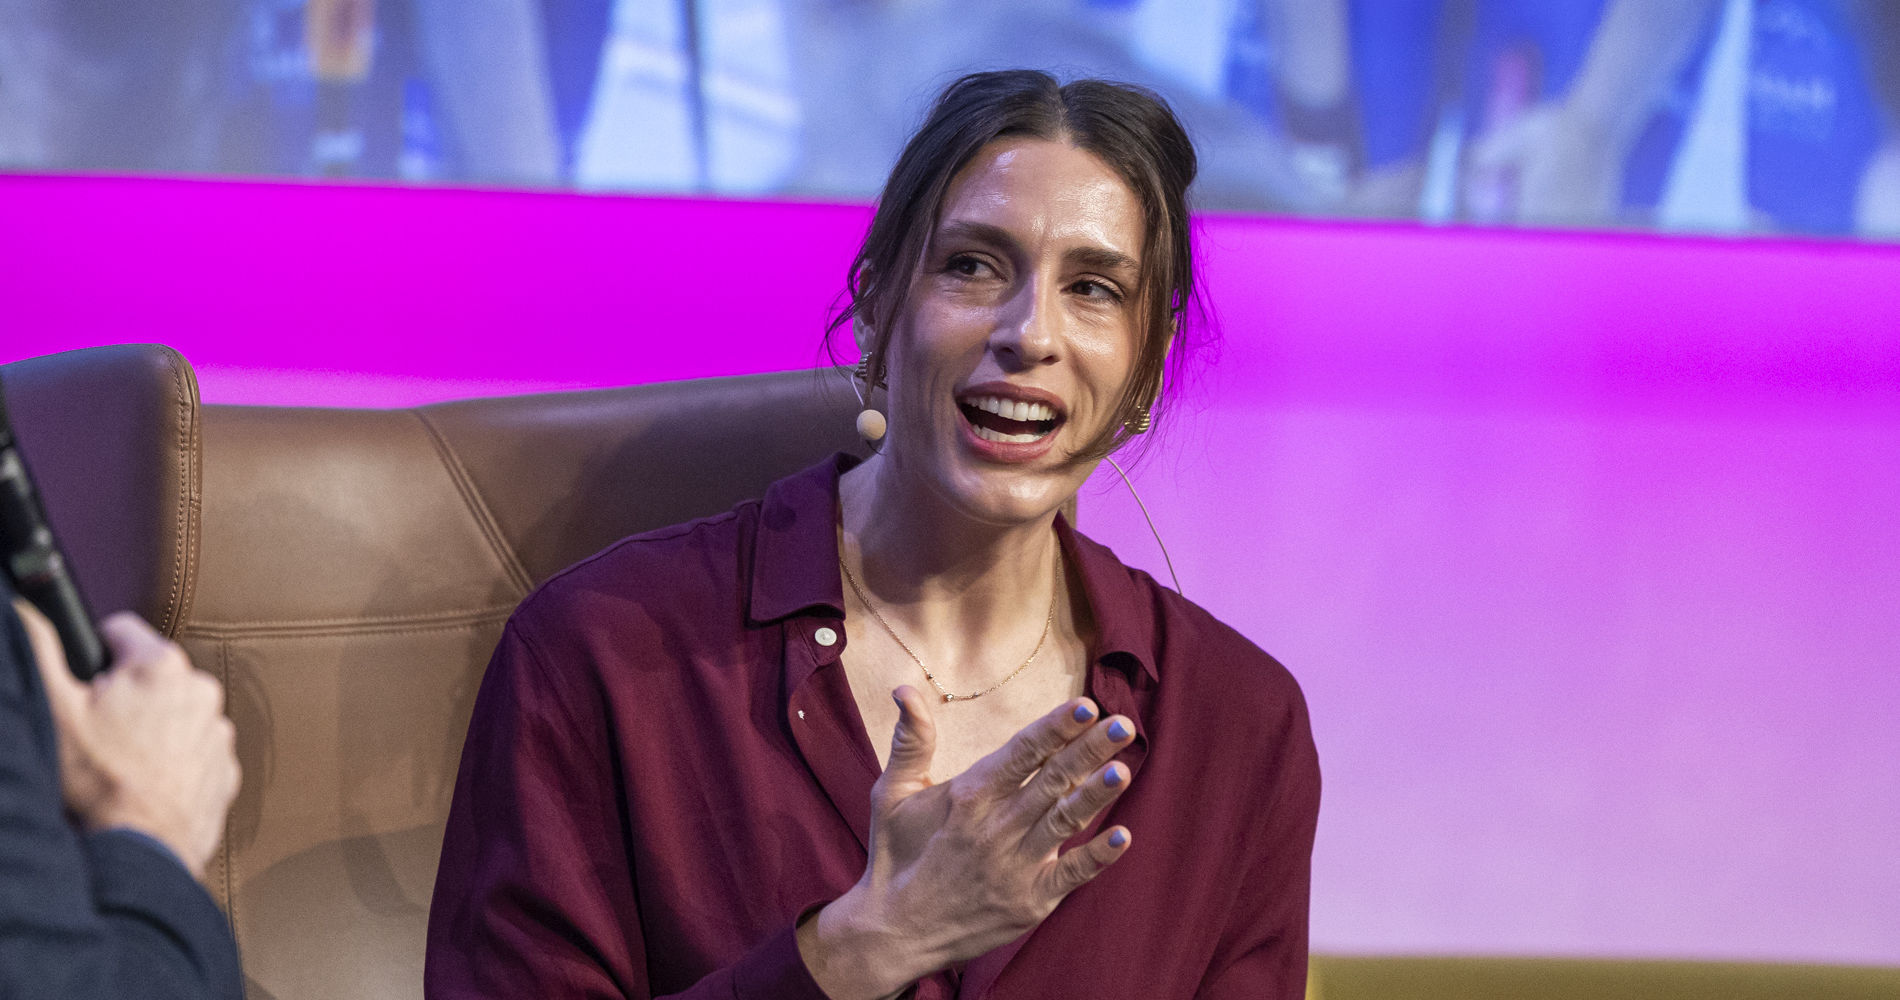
{"x": 477, "y": 507}
{"x": 367, "y": 627}
{"x": 422, "y": 616}
{"x": 230, "y": 885}
{"x": 194, "y": 490}
{"x": 331, "y": 633}
{"x": 427, "y": 618}
{"x": 463, "y": 626}
{"x": 181, "y": 524}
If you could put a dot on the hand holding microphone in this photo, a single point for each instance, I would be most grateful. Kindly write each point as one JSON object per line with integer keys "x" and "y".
{"x": 144, "y": 746}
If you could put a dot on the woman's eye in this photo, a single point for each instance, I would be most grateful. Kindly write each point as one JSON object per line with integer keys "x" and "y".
{"x": 966, "y": 265}
{"x": 1088, "y": 288}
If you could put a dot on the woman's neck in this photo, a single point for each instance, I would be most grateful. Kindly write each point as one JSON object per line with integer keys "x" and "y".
{"x": 963, "y": 593}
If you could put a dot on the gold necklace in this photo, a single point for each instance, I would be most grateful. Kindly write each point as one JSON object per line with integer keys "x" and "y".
{"x": 947, "y": 696}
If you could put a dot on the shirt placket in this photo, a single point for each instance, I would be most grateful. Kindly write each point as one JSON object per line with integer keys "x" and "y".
{"x": 823, "y": 720}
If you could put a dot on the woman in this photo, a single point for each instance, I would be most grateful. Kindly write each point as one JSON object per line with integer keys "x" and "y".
{"x": 896, "y": 723}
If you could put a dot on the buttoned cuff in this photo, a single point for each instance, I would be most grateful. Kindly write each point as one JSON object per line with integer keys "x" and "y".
{"x": 775, "y": 971}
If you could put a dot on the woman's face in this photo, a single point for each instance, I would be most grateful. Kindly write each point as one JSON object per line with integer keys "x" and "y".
{"x": 1019, "y": 331}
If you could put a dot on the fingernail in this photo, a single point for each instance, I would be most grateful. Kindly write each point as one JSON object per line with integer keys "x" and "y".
{"x": 1112, "y": 777}
{"x": 1117, "y": 731}
{"x": 1083, "y": 712}
{"x": 1118, "y": 838}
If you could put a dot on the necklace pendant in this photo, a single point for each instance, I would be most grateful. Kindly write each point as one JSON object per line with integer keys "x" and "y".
{"x": 1048, "y": 622}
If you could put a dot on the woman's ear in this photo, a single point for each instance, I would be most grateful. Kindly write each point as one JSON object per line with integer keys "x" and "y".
{"x": 861, "y": 299}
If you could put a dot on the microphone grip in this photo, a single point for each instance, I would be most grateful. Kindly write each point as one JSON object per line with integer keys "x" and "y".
{"x": 35, "y": 565}
{"x": 43, "y": 578}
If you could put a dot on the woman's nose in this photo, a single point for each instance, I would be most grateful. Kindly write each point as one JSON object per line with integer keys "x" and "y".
{"x": 1029, "y": 330}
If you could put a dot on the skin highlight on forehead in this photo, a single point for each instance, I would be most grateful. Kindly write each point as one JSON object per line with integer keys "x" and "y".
{"x": 986, "y": 201}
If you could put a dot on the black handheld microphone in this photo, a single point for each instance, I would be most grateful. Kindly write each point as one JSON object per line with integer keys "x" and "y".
{"x": 34, "y": 563}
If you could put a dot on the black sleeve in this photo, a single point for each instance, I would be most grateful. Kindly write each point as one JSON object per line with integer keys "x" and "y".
{"x": 105, "y": 915}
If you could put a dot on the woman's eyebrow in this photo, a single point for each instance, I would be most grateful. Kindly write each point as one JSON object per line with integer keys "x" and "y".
{"x": 979, "y": 232}
{"x": 1093, "y": 258}
{"x": 1102, "y": 259}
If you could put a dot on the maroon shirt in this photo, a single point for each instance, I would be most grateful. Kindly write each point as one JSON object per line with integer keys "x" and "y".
{"x": 666, "y": 768}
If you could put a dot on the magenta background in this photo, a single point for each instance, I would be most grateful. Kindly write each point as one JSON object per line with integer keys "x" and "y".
{"x": 1586, "y": 548}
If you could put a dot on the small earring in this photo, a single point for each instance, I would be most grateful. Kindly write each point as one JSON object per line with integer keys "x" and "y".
{"x": 866, "y": 363}
{"x": 871, "y": 423}
{"x": 1141, "y": 421}
{"x": 1144, "y": 412}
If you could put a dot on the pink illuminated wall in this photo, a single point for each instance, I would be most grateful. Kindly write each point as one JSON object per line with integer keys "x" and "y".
{"x": 1585, "y": 548}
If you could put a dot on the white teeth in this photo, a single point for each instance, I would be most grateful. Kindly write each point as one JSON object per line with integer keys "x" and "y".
{"x": 1012, "y": 409}
{"x": 989, "y": 435}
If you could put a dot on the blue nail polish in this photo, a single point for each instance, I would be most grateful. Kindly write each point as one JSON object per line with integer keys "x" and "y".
{"x": 1083, "y": 713}
{"x": 1117, "y": 839}
{"x": 1117, "y": 731}
{"x": 1112, "y": 777}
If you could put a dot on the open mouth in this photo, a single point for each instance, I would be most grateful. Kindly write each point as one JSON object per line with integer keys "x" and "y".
{"x": 1009, "y": 421}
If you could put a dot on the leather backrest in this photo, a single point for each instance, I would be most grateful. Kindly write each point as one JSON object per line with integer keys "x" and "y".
{"x": 111, "y": 434}
{"x": 355, "y": 568}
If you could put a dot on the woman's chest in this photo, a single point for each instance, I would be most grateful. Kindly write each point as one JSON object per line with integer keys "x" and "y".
{"x": 965, "y": 729}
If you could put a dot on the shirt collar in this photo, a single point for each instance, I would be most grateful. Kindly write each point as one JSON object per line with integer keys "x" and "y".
{"x": 795, "y": 555}
{"x": 1125, "y": 611}
{"x": 795, "y": 567}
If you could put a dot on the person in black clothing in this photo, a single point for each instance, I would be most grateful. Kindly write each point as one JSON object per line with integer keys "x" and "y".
{"x": 112, "y": 800}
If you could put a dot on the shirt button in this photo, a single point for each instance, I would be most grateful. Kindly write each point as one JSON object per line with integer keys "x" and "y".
{"x": 826, "y": 637}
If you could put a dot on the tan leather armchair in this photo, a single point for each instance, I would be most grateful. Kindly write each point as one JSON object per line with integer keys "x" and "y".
{"x": 345, "y": 574}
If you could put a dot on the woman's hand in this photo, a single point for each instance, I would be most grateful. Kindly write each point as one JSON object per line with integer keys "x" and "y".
{"x": 960, "y": 868}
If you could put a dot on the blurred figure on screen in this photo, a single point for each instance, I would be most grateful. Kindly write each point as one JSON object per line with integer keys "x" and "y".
{"x": 112, "y": 800}
{"x": 1747, "y": 114}
{"x": 487, "y": 64}
{"x": 1375, "y": 98}
{"x": 1292, "y": 61}
{"x": 486, "y": 67}
{"x": 338, "y": 34}
{"x": 857, "y": 111}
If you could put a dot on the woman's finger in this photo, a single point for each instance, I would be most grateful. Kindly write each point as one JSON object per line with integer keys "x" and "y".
{"x": 1008, "y": 766}
{"x": 913, "y": 744}
{"x": 1073, "y": 812}
{"x": 1071, "y": 766}
{"x": 1075, "y": 868}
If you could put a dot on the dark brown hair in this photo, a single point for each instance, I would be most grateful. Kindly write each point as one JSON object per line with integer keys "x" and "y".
{"x": 1131, "y": 129}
